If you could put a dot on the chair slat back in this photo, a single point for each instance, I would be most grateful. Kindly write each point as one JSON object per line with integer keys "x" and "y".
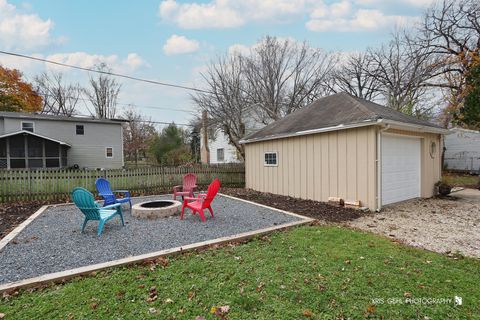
{"x": 85, "y": 201}
{"x": 189, "y": 181}
{"x": 211, "y": 193}
{"x": 103, "y": 188}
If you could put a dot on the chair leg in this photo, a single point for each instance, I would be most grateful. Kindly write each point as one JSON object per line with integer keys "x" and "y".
{"x": 101, "y": 224}
{"x": 202, "y": 216}
{"x": 183, "y": 211}
{"x": 84, "y": 224}
{"x": 121, "y": 218}
{"x": 211, "y": 211}
{"x": 130, "y": 202}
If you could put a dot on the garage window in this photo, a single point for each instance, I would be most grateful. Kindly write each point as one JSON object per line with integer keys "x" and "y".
{"x": 271, "y": 159}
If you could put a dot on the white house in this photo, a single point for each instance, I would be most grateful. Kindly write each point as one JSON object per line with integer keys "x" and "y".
{"x": 29, "y": 140}
{"x": 462, "y": 150}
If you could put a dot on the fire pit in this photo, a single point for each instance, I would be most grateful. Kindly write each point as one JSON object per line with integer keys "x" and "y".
{"x": 156, "y": 209}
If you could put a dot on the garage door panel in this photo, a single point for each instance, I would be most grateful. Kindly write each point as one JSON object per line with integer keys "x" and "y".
{"x": 400, "y": 168}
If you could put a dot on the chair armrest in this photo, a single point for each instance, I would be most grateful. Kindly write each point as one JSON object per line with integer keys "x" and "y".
{"x": 202, "y": 195}
{"x": 112, "y": 206}
{"x": 98, "y": 204}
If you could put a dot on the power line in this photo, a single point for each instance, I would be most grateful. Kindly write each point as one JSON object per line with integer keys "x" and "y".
{"x": 103, "y": 72}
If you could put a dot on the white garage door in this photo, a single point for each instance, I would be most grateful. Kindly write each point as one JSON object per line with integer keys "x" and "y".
{"x": 400, "y": 168}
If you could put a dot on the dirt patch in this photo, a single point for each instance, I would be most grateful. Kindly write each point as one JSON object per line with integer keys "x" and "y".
{"x": 446, "y": 225}
{"x": 12, "y": 214}
{"x": 313, "y": 209}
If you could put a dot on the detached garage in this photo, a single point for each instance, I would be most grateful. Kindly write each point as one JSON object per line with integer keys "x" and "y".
{"x": 349, "y": 148}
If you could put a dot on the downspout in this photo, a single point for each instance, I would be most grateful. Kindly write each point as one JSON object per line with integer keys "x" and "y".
{"x": 379, "y": 164}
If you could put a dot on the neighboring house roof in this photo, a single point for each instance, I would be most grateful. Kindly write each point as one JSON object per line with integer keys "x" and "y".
{"x": 336, "y": 112}
{"x": 25, "y": 115}
{"x": 35, "y": 135}
{"x": 464, "y": 130}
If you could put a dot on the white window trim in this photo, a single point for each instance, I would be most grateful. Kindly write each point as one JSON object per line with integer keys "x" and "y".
{"x": 79, "y": 124}
{"x": 106, "y": 153}
{"x": 223, "y": 150}
{"x": 33, "y": 125}
{"x": 270, "y": 165}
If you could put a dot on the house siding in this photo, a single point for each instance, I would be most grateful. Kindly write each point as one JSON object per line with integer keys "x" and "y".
{"x": 339, "y": 163}
{"x": 86, "y": 150}
{"x": 221, "y": 142}
{"x": 318, "y": 166}
{"x": 462, "y": 150}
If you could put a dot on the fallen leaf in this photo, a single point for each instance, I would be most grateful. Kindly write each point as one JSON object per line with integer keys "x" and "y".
{"x": 191, "y": 295}
{"x": 348, "y": 261}
{"x": 307, "y": 313}
{"x": 94, "y": 306}
{"x": 2, "y": 315}
{"x": 224, "y": 309}
{"x": 213, "y": 310}
{"x": 168, "y": 300}
{"x": 260, "y": 287}
{"x": 152, "y": 310}
{"x": 407, "y": 294}
{"x": 199, "y": 318}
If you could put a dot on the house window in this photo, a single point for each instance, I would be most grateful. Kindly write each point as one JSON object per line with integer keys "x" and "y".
{"x": 220, "y": 155}
{"x": 80, "y": 130}
{"x": 109, "y": 152}
{"x": 270, "y": 159}
{"x": 28, "y": 126}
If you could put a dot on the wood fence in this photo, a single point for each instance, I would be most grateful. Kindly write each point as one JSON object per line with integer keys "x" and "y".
{"x": 18, "y": 185}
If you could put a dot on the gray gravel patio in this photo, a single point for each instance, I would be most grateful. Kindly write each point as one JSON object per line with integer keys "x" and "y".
{"x": 53, "y": 241}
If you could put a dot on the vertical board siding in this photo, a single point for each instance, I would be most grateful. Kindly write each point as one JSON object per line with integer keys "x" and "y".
{"x": 319, "y": 166}
{"x": 23, "y": 185}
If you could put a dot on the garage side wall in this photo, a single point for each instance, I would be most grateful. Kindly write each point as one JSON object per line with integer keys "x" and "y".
{"x": 332, "y": 164}
{"x": 431, "y": 168}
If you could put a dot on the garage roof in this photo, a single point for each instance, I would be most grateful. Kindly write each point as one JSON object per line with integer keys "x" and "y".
{"x": 336, "y": 112}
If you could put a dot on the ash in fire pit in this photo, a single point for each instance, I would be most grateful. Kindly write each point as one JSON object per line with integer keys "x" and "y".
{"x": 156, "y": 209}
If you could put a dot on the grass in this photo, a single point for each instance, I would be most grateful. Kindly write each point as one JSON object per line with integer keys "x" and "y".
{"x": 309, "y": 272}
{"x": 461, "y": 180}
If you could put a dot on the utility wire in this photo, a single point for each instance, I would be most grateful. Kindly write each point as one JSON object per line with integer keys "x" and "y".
{"x": 103, "y": 72}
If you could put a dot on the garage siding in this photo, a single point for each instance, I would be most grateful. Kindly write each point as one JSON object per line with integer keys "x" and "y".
{"x": 334, "y": 164}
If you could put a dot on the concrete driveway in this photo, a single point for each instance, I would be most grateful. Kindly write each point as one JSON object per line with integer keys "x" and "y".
{"x": 446, "y": 225}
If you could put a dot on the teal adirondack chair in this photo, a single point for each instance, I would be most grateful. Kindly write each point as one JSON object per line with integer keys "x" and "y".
{"x": 85, "y": 201}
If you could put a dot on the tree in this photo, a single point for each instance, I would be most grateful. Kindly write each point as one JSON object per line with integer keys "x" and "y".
{"x": 402, "y": 69}
{"x": 59, "y": 98}
{"x": 103, "y": 93}
{"x": 354, "y": 74}
{"x": 170, "y": 146}
{"x": 451, "y": 32}
{"x": 469, "y": 114}
{"x": 16, "y": 94}
{"x": 283, "y": 76}
{"x": 227, "y": 103}
{"x": 138, "y": 133}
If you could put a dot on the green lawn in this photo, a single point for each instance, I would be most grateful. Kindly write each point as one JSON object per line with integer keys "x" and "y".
{"x": 461, "y": 180}
{"x": 309, "y": 272}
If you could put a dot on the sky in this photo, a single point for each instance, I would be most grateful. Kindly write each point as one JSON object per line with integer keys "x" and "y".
{"x": 173, "y": 41}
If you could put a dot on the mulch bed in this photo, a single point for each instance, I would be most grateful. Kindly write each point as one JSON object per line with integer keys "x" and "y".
{"x": 313, "y": 209}
{"x": 14, "y": 213}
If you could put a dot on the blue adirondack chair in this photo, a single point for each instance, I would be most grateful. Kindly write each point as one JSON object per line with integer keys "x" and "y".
{"x": 85, "y": 201}
{"x": 104, "y": 190}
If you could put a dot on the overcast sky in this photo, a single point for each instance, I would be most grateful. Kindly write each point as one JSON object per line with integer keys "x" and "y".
{"x": 173, "y": 41}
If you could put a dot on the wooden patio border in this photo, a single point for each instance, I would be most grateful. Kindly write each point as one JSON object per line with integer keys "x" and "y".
{"x": 68, "y": 274}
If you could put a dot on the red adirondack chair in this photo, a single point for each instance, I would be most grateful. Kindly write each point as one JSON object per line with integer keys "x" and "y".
{"x": 203, "y": 201}
{"x": 189, "y": 185}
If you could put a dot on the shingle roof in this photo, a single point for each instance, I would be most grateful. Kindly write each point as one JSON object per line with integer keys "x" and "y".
{"x": 335, "y": 110}
{"x": 25, "y": 115}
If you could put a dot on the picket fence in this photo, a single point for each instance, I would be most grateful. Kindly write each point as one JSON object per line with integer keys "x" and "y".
{"x": 20, "y": 185}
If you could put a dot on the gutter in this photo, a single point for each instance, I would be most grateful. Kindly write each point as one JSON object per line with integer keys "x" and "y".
{"x": 365, "y": 123}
